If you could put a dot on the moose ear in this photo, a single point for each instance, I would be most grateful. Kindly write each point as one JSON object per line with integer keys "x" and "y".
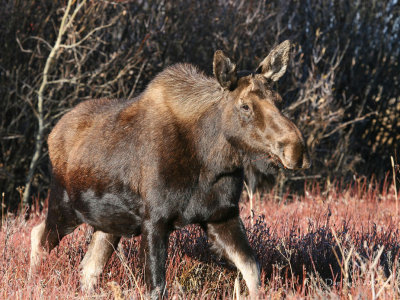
{"x": 274, "y": 65}
{"x": 224, "y": 70}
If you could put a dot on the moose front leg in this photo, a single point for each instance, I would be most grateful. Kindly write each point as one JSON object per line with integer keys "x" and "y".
{"x": 230, "y": 241}
{"x": 154, "y": 248}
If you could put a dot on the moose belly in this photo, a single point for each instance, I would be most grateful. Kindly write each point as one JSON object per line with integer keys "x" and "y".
{"x": 118, "y": 214}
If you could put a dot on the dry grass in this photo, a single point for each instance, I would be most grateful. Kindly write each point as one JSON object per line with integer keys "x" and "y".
{"x": 333, "y": 242}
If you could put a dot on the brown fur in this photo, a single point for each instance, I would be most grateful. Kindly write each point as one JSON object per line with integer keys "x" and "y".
{"x": 171, "y": 157}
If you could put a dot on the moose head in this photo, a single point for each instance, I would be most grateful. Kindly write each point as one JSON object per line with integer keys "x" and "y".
{"x": 251, "y": 117}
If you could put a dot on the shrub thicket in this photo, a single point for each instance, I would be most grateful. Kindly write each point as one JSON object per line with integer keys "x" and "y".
{"x": 342, "y": 87}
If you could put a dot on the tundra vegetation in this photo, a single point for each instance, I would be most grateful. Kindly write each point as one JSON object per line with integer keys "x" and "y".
{"x": 338, "y": 240}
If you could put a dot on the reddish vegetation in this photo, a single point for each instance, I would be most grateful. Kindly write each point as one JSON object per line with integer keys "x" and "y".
{"x": 294, "y": 240}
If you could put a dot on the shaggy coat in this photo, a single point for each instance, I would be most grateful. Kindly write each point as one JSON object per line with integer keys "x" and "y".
{"x": 171, "y": 157}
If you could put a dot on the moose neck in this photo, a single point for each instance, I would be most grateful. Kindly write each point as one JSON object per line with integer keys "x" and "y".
{"x": 195, "y": 103}
{"x": 212, "y": 147}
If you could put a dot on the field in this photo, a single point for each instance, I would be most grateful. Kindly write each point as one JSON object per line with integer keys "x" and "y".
{"x": 335, "y": 241}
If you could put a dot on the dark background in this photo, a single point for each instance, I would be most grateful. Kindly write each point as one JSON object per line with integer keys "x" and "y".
{"x": 341, "y": 88}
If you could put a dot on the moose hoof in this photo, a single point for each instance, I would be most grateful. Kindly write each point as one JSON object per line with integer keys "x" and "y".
{"x": 88, "y": 283}
{"x": 89, "y": 276}
{"x": 158, "y": 293}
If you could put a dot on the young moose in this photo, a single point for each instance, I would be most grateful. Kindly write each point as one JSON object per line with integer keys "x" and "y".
{"x": 171, "y": 157}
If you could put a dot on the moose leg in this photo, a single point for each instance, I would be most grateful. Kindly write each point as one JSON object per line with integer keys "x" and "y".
{"x": 60, "y": 221}
{"x": 37, "y": 250}
{"x": 230, "y": 241}
{"x": 100, "y": 250}
{"x": 153, "y": 249}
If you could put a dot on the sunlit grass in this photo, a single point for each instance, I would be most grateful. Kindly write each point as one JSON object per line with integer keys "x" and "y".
{"x": 334, "y": 241}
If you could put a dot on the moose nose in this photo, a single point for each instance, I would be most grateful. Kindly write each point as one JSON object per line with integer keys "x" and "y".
{"x": 306, "y": 161}
{"x": 295, "y": 155}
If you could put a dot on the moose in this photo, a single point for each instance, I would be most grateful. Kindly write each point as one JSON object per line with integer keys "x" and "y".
{"x": 170, "y": 157}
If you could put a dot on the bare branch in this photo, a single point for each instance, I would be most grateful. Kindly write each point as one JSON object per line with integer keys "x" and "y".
{"x": 40, "y": 119}
{"x": 22, "y": 48}
{"x": 41, "y": 40}
{"x": 88, "y": 35}
{"x": 345, "y": 124}
{"x": 137, "y": 78}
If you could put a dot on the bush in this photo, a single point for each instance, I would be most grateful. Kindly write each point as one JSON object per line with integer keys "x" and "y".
{"x": 342, "y": 87}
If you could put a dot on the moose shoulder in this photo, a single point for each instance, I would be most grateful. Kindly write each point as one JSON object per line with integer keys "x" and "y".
{"x": 171, "y": 157}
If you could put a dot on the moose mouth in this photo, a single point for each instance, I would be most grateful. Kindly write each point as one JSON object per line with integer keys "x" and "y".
{"x": 276, "y": 160}
{"x": 272, "y": 160}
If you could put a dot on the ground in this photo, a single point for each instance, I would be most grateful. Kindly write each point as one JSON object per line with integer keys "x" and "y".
{"x": 334, "y": 241}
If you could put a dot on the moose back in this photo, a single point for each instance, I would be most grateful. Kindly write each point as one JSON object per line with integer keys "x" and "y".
{"x": 171, "y": 157}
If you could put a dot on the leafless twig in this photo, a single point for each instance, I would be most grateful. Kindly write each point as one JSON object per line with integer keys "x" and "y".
{"x": 49, "y": 63}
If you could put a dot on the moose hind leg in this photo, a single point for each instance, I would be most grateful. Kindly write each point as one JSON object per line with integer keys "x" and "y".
{"x": 100, "y": 250}
{"x": 230, "y": 241}
{"x": 37, "y": 251}
{"x": 60, "y": 221}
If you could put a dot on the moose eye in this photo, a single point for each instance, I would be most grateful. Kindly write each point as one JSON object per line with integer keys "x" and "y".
{"x": 245, "y": 107}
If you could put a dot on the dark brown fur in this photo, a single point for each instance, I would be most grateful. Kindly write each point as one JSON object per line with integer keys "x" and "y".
{"x": 172, "y": 157}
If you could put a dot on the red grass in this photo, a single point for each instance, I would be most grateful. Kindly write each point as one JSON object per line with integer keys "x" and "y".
{"x": 327, "y": 243}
